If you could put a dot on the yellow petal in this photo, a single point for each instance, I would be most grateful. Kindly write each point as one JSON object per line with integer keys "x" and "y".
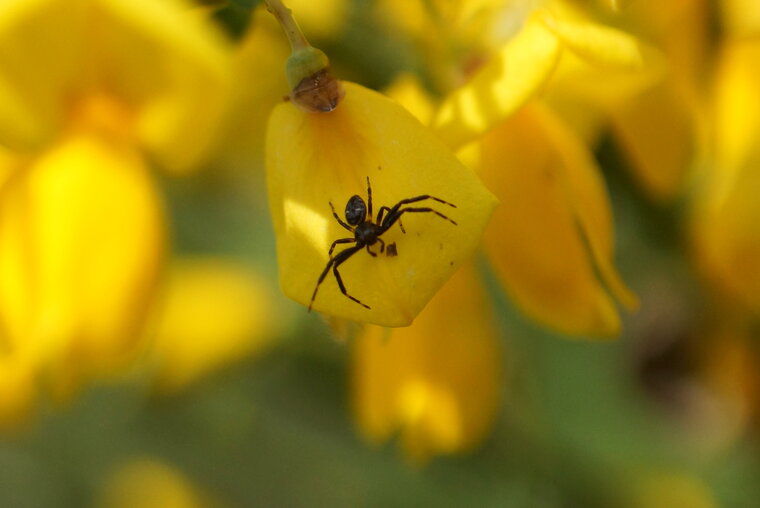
{"x": 166, "y": 66}
{"x": 314, "y": 159}
{"x": 513, "y": 76}
{"x": 726, "y": 208}
{"x": 148, "y": 483}
{"x": 727, "y": 237}
{"x": 18, "y": 390}
{"x": 553, "y": 230}
{"x": 81, "y": 241}
{"x": 597, "y": 44}
{"x": 407, "y": 90}
{"x": 44, "y": 41}
{"x": 741, "y": 18}
{"x": 215, "y": 312}
{"x": 169, "y": 67}
{"x": 437, "y": 382}
{"x": 657, "y": 133}
{"x": 259, "y": 85}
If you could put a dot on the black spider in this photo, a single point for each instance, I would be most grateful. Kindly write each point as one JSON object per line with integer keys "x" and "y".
{"x": 367, "y": 233}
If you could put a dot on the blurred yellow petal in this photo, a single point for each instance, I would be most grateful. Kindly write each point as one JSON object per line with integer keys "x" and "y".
{"x": 18, "y": 390}
{"x": 553, "y": 231}
{"x": 44, "y": 41}
{"x": 598, "y": 45}
{"x": 727, "y": 237}
{"x": 726, "y": 208}
{"x": 148, "y": 483}
{"x": 215, "y": 312}
{"x": 740, "y": 17}
{"x": 323, "y": 19}
{"x": 314, "y": 159}
{"x": 657, "y": 133}
{"x": 259, "y": 85}
{"x": 671, "y": 490}
{"x": 513, "y": 76}
{"x": 409, "y": 92}
{"x": 81, "y": 241}
{"x": 168, "y": 67}
{"x": 437, "y": 382}
{"x": 736, "y": 109}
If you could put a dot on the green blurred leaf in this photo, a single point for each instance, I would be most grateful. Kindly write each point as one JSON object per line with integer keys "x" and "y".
{"x": 234, "y": 16}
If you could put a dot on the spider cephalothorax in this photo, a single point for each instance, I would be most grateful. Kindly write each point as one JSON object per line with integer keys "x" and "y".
{"x": 368, "y": 232}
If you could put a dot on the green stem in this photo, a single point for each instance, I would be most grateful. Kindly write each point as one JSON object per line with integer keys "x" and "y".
{"x": 285, "y": 17}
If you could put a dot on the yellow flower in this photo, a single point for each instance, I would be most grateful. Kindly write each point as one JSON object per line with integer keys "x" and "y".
{"x": 726, "y": 211}
{"x": 314, "y": 159}
{"x": 437, "y": 383}
{"x": 214, "y": 312}
{"x": 551, "y": 240}
{"x": 149, "y": 483}
{"x": 671, "y": 489}
{"x": 661, "y": 129}
{"x": 557, "y": 47}
{"x": 89, "y": 89}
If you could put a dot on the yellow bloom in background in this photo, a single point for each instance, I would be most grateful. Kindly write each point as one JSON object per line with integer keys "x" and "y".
{"x": 214, "y": 312}
{"x": 317, "y": 158}
{"x": 150, "y": 483}
{"x": 551, "y": 241}
{"x": 661, "y": 129}
{"x": 90, "y": 90}
{"x": 726, "y": 211}
{"x": 670, "y": 489}
{"x": 741, "y": 18}
{"x": 436, "y": 383}
{"x": 258, "y": 86}
{"x": 556, "y": 47}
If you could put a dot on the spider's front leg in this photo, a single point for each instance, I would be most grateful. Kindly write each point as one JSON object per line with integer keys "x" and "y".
{"x": 395, "y": 216}
{"x": 382, "y": 211}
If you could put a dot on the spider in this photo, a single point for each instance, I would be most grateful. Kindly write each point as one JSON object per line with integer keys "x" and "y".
{"x": 367, "y": 233}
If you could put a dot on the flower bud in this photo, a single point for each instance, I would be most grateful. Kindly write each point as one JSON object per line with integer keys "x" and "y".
{"x": 313, "y": 88}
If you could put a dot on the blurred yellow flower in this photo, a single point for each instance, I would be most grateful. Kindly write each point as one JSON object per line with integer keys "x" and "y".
{"x": 555, "y": 47}
{"x": 726, "y": 210}
{"x": 149, "y": 483}
{"x": 436, "y": 383}
{"x": 214, "y": 312}
{"x": 670, "y": 489}
{"x": 551, "y": 241}
{"x": 89, "y": 89}
{"x": 314, "y": 159}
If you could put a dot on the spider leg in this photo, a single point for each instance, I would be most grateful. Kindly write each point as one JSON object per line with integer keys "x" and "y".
{"x": 319, "y": 281}
{"x": 336, "y": 242}
{"x": 415, "y": 199}
{"x": 340, "y": 258}
{"x": 340, "y": 221}
{"x": 334, "y": 262}
{"x": 382, "y": 245}
{"x": 391, "y": 218}
{"x": 380, "y": 214}
{"x": 370, "y": 252}
{"x": 369, "y": 198}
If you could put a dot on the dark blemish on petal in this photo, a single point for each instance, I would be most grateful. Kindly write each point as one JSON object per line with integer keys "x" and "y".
{"x": 451, "y": 263}
{"x": 440, "y": 246}
{"x": 391, "y": 250}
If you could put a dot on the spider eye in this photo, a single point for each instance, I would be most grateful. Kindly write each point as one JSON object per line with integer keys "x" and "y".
{"x": 356, "y": 210}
